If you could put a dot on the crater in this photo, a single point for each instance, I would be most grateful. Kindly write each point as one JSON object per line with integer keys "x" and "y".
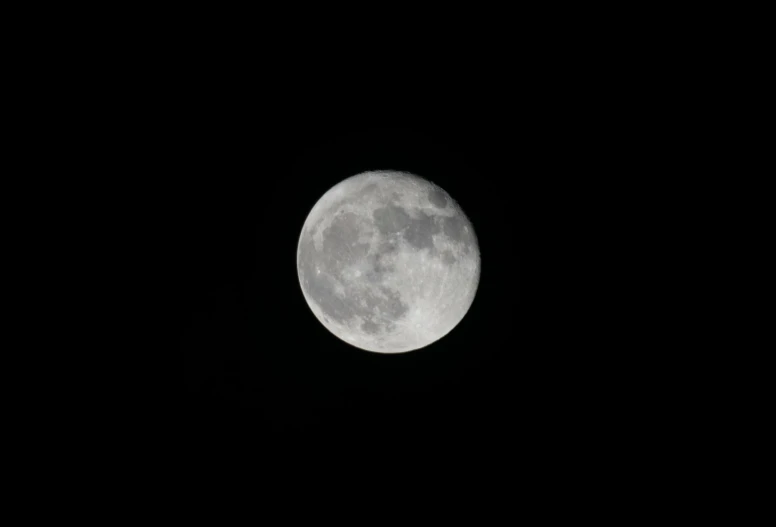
{"x": 387, "y": 247}
{"x": 370, "y": 327}
{"x": 376, "y": 268}
{"x": 437, "y": 197}
{"x": 448, "y": 258}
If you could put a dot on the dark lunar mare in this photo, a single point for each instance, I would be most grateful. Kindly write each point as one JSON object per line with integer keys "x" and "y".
{"x": 418, "y": 232}
{"x": 438, "y": 197}
{"x": 453, "y": 227}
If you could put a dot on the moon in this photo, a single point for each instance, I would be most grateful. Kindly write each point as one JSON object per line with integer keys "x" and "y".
{"x": 388, "y": 262}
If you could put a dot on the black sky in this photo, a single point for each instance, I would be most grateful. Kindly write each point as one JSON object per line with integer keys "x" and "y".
{"x": 248, "y": 341}
{"x": 557, "y": 155}
{"x": 529, "y": 356}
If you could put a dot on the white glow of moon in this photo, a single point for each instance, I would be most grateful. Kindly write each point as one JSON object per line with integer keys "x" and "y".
{"x": 388, "y": 262}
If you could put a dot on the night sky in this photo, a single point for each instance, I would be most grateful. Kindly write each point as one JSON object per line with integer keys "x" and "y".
{"x": 525, "y": 364}
{"x": 562, "y": 158}
{"x": 250, "y": 343}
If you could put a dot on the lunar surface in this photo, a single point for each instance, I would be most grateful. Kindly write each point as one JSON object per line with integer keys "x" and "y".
{"x": 388, "y": 262}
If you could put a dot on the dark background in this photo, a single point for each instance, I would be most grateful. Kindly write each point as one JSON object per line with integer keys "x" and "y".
{"x": 552, "y": 148}
{"x": 249, "y": 345}
{"x": 562, "y": 155}
{"x": 538, "y": 358}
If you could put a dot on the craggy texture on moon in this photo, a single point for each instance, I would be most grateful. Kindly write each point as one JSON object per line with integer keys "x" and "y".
{"x": 388, "y": 262}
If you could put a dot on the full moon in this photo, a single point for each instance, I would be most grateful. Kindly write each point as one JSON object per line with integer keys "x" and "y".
{"x": 388, "y": 262}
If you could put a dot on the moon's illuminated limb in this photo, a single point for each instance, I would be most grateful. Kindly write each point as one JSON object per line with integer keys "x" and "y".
{"x": 388, "y": 262}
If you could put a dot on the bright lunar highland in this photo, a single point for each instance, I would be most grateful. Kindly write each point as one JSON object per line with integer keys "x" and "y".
{"x": 388, "y": 262}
